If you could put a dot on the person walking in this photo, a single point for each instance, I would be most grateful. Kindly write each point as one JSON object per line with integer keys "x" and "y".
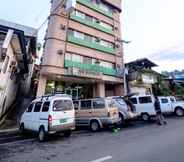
{"x": 159, "y": 117}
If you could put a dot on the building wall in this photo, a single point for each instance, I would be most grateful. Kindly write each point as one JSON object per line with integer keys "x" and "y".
{"x": 57, "y": 44}
{"x": 9, "y": 86}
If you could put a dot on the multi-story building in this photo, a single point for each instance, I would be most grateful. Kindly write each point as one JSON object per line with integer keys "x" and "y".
{"x": 83, "y": 50}
{"x": 17, "y": 52}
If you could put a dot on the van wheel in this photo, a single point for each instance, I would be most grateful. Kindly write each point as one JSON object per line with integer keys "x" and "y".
{"x": 41, "y": 134}
{"x": 22, "y": 129}
{"x": 179, "y": 111}
{"x": 68, "y": 133}
{"x": 94, "y": 126}
{"x": 122, "y": 120}
{"x": 145, "y": 116}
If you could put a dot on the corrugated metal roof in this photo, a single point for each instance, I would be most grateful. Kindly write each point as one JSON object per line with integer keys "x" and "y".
{"x": 28, "y": 31}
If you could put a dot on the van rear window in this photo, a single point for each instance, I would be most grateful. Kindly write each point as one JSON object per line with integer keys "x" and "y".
{"x": 62, "y": 105}
{"x": 99, "y": 104}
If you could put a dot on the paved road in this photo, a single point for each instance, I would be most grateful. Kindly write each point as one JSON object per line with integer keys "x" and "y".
{"x": 139, "y": 143}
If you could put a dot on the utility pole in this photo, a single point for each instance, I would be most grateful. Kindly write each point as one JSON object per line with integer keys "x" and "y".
{"x": 125, "y": 70}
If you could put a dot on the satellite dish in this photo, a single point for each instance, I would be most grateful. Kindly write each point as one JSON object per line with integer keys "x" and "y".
{"x": 70, "y": 5}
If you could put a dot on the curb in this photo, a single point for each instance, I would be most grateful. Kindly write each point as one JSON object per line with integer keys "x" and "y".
{"x": 12, "y": 130}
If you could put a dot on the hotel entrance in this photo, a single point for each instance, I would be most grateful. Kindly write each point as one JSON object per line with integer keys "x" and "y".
{"x": 76, "y": 90}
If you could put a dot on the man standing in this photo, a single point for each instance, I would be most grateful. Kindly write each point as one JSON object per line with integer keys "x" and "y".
{"x": 159, "y": 117}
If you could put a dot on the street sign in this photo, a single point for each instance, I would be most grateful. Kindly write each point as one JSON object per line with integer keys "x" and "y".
{"x": 70, "y": 5}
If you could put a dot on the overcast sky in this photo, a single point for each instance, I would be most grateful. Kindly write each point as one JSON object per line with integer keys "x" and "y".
{"x": 155, "y": 27}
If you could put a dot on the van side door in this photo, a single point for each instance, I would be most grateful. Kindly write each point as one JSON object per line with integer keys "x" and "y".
{"x": 100, "y": 110}
{"x": 165, "y": 104}
{"x": 35, "y": 124}
{"x": 44, "y": 114}
{"x": 85, "y": 112}
{"x": 27, "y": 116}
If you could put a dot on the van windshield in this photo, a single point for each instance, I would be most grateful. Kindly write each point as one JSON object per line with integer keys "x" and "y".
{"x": 62, "y": 105}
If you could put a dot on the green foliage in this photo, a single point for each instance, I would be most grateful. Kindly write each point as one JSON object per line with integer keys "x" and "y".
{"x": 179, "y": 90}
{"x": 161, "y": 89}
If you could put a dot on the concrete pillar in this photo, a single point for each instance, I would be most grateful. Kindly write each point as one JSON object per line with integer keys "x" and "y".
{"x": 100, "y": 89}
{"x": 119, "y": 91}
{"x": 41, "y": 86}
{"x": 94, "y": 90}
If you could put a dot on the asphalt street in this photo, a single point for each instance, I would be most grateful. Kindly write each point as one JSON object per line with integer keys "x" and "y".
{"x": 143, "y": 142}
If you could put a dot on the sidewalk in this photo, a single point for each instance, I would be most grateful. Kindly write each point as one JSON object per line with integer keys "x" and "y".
{"x": 9, "y": 127}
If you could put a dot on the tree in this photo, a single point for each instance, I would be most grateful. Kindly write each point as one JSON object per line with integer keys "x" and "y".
{"x": 160, "y": 89}
{"x": 179, "y": 90}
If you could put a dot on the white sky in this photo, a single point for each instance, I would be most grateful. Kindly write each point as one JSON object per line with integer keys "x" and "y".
{"x": 155, "y": 27}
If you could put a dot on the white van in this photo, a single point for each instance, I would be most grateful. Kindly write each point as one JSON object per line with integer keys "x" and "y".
{"x": 49, "y": 114}
{"x": 144, "y": 105}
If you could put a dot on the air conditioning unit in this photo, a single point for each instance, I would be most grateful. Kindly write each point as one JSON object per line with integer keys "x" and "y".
{"x": 60, "y": 52}
{"x": 116, "y": 28}
{"x": 117, "y": 45}
{"x": 98, "y": 39}
{"x": 97, "y": 21}
{"x": 63, "y": 27}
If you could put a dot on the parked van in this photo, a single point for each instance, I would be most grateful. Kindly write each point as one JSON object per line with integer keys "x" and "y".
{"x": 144, "y": 105}
{"x": 96, "y": 113}
{"x": 49, "y": 114}
{"x": 126, "y": 112}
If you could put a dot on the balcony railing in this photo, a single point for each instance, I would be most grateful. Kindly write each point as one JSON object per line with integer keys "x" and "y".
{"x": 91, "y": 24}
{"x": 95, "y": 7}
{"x": 90, "y": 68}
{"x": 90, "y": 44}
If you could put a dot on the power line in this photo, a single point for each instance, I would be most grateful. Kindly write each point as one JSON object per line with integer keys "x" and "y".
{"x": 61, "y": 3}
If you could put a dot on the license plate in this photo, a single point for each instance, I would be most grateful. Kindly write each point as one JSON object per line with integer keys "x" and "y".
{"x": 63, "y": 120}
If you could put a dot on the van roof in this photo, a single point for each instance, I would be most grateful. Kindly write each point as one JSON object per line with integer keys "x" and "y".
{"x": 52, "y": 96}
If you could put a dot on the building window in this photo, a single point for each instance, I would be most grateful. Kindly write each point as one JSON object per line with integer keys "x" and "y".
{"x": 77, "y": 58}
{"x": 104, "y": 7}
{"x": 107, "y": 65}
{"x": 89, "y": 18}
{"x": 78, "y": 35}
{"x": 88, "y": 38}
{"x": 80, "y": 14}
{"x": 87, "y": 60}
{"x": 68, "y": 56}
{"x": 105, "y": 25}
{"x": 106, "y": 44}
